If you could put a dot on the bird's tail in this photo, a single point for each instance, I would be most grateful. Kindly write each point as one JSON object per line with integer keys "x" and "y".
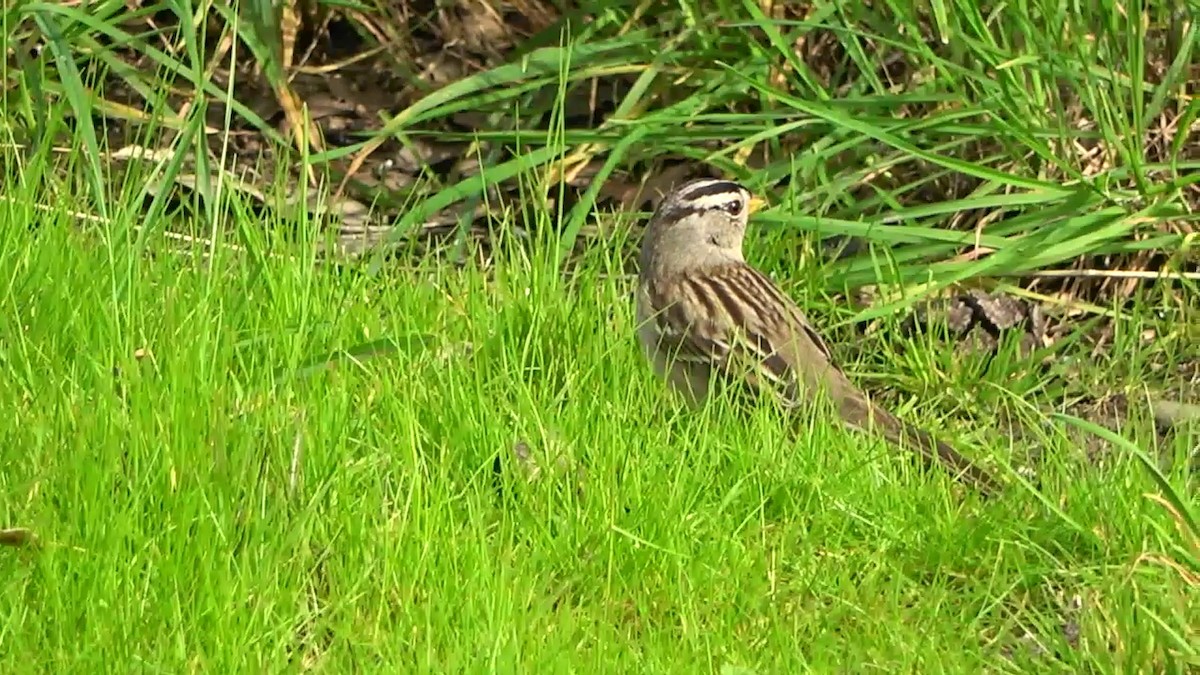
{"x": 918, "y": 440}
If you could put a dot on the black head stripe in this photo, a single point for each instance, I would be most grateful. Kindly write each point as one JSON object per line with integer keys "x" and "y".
{"x": 709, "y": 188}
{"x": 678, "y": 213}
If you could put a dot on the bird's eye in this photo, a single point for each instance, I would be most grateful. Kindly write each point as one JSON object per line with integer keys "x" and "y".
{"x": 732, "y": 207}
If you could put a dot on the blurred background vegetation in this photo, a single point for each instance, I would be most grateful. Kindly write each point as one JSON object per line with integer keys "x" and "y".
{"x": 964, "y": 140}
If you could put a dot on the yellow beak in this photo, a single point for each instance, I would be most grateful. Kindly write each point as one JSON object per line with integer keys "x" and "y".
{"x": 756, "y": 203}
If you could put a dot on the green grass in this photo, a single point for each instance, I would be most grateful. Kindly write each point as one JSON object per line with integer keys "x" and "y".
{"x": 261, "y": 461}
{"x": 205, "y": 502}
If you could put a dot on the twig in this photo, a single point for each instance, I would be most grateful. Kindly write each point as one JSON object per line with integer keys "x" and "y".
{"x": 297, "y": 452}
{"x": 1103, "y": 274}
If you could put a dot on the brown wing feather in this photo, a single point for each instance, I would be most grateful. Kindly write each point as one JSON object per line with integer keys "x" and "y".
{"x": 737, "y": 321}
{"x": 732, "y": 318}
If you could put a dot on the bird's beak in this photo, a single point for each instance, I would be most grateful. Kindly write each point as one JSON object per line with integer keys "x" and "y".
{"x": 756, "y": 203}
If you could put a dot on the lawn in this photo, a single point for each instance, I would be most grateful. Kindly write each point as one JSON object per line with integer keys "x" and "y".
{"x": 250, "y": 457}
{"x": 206, "y": 501}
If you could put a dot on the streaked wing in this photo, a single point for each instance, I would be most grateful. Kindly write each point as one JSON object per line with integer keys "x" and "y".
{"x": 738, "y": 321}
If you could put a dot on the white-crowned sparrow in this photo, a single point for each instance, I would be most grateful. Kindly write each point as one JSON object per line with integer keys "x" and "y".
{"x": 704, "y": 313}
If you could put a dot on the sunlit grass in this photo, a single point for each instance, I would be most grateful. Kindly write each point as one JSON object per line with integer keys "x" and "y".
{"x": 203, "y": 500}
{"x": 257, "y": 459}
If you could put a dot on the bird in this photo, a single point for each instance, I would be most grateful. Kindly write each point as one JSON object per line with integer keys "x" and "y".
{"x": 705, "y": 317}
